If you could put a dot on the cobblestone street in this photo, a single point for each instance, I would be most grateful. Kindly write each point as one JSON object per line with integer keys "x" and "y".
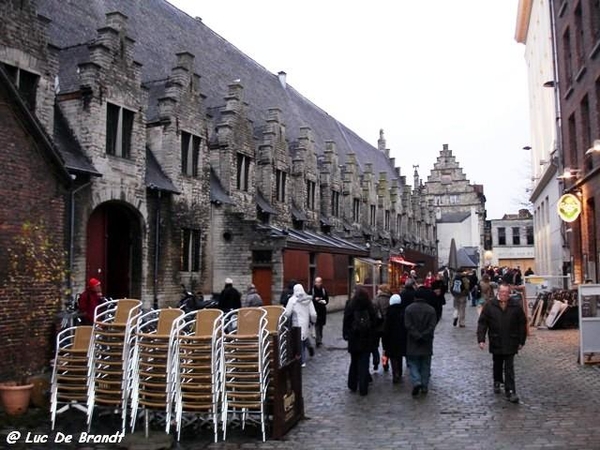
{"x": 559, "y": 406}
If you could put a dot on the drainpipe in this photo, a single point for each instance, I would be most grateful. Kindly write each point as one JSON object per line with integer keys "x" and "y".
{"x": 71, "y": 235}
{"x": 558, "y": 123}
{"x": 156, "y": 249}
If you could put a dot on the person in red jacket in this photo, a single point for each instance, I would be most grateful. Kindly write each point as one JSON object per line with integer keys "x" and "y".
{"x": 89, "y": 299}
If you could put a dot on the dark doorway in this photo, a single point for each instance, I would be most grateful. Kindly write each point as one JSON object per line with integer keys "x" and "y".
{"x": 114, "y": 250}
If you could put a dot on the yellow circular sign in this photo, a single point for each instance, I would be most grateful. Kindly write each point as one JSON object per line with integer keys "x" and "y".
{"x": 569, "y": 207}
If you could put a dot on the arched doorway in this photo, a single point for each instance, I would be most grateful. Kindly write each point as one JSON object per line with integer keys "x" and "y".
{"x": 114, "y": 250}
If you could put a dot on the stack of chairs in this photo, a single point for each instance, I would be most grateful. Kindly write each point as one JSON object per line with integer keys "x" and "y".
{"x": 278, "y": 348}
{"x": 245, "y": 367}
{"x": 198, "y": 384}
{"x": 112, "y": 343}
{"x": 153, "y": 365}
{"x": 277, "y": 326}
{"x": 69, "y": 386}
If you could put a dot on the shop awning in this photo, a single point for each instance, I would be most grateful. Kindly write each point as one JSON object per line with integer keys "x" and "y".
{"x": 402, "y": 261}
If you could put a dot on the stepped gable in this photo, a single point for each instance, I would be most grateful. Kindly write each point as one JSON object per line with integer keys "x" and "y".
{"x": 161, "y": 31}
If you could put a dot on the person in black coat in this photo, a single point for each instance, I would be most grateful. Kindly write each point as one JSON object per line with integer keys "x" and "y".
{"x": 320, "y": 302}
{"x": 394, "y": 336}
{"x": 504, "y": 321}
{"x": 427, "y": 293}
{"x": 360, "y": 341}
{"x": 420, "y": 321}
{"x": 408, "y": 293}
{"x": 230, "y": 297}
{"x": 439, "y": 288}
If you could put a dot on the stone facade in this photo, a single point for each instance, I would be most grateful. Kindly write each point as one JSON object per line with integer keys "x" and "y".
{"x": 186, "y": 174}
{"x": 457, "y": 201}
{"x": 513, "y": 241}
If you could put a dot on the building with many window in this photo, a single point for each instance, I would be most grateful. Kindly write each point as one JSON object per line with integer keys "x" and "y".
{"x": 459, "y": 207}
{"x": 534, "y": 30}
{"x": 191, "y": 163}
{"x": 513, "y": 241}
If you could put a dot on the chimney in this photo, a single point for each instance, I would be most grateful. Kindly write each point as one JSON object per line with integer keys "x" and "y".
{"x": 282, "y": 75}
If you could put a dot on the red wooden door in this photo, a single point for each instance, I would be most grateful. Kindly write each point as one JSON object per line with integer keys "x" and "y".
{"x": 262, "y": 278}
{"x": 96, "y": 246}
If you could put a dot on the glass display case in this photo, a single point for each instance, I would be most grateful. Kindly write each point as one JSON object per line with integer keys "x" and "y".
{"x": 589, "y": 321}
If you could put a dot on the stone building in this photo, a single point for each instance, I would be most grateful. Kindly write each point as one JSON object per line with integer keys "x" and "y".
{"x": 459, "y": 207}
{"x": 513, "y": 241}
{"x": 192, "y": 163}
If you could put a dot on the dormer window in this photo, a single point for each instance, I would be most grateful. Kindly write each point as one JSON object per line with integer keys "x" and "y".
{"x": 280, "y": 179}
{"x": 243, "y": 172}
{"x": 119, "y": 124}
{"x": 25, "y": 82}
{"x": 311, "y": 187}
{"x": 190, "y": 153}
{"x": 335, "y": 203}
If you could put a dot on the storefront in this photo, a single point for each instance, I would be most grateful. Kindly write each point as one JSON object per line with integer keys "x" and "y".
{"x": 396, "y": 268}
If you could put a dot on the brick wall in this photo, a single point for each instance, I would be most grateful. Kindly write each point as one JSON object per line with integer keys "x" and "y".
{"x": 30, "y": 191}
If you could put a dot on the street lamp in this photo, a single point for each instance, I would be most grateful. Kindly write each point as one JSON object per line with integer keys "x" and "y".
{"x": 595, "y": 148}
{"x": 569, "y": 173}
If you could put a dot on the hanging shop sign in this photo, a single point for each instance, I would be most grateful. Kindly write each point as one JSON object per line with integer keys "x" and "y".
{"x": 569, "y": 207}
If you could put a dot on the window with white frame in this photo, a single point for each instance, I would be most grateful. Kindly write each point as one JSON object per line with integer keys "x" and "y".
{"x": 516, "y": 236}
{"x": 372, "y": 217}
{"x": 501, "y": 236}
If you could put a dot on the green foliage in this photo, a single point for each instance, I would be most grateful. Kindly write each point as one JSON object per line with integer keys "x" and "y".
{"x": 35, "y": 282}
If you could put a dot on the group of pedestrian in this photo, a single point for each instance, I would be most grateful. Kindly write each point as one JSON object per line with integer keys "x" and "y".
{"x": 307, "y": 310}
{"x": 405, "y": 324}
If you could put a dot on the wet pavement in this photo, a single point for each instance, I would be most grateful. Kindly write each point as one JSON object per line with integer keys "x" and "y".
{"x": 559, "y": 406}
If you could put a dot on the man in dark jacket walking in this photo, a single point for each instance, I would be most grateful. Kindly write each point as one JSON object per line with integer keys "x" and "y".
{"x": 420, "y": 320}
{"x": 505, "y": 323}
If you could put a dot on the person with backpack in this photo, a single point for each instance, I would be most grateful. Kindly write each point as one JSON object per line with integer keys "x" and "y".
{"x": 460, "y": 288}
{"x": 359, "y": 330}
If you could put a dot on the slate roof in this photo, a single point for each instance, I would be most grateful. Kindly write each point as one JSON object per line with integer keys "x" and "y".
{"x": 69, "y": 147}
{"x": 464, "y": 260}
{"x": 217, "y": 193}
{"x": 306, "y": 239}
{"x": 455, "y": 217}
{"x": 155, "y": 177}
{"x": 161, "y": 30}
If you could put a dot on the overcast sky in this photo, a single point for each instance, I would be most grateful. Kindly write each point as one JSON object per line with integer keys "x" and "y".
{"x": 426, "y": 72}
